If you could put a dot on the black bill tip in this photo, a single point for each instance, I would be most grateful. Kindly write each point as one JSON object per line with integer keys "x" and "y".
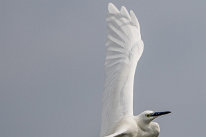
{"x": 160, "y": 113}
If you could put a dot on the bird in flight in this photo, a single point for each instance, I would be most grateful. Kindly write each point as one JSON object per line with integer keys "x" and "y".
{"x": 124, "y": 48}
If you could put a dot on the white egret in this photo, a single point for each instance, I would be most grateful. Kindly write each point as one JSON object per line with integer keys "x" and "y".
{"x": 124, "y": 48}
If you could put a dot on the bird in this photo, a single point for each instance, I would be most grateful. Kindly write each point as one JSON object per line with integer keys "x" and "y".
{"x": 124, "y": 47}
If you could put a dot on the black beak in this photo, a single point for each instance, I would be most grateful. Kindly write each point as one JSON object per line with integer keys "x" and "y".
{"x": 160, "y": 113}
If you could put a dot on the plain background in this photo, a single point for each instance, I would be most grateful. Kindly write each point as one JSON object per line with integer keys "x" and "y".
{"x": 52, "y": 74}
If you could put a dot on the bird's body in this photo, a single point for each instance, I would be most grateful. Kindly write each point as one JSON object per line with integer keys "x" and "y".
{"x": 124, "y": 48}
{"x": 136, "y": 127}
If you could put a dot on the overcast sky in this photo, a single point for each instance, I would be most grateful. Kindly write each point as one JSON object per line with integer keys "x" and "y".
{"x": 51, "y": 66}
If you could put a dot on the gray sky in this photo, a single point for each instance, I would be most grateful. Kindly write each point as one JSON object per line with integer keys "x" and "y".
{"x": 51, "y": 66}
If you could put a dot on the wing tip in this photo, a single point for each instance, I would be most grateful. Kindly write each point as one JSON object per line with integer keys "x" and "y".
{"x": 124, "y": 12}
{"x": 112, "y": 8}
{"x": 134, "y": 18}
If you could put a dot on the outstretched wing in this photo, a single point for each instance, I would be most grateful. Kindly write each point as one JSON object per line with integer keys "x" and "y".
{"x": 124, "y": 47}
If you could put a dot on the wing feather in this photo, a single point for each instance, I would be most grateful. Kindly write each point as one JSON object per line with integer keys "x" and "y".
{"x": 124, "y": 47}
{"x": 118, "y": 133}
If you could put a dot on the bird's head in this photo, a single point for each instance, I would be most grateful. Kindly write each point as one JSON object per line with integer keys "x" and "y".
{"x": 148, "y": 116}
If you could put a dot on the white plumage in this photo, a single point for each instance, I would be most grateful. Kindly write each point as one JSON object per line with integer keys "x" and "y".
{"x": 124, "y": 48}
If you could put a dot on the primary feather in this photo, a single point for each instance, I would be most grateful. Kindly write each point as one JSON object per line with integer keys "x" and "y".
{"x": 124, "y": 47}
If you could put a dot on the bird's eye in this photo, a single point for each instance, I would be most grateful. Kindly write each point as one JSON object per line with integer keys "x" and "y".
{"x": 147, "y": 115}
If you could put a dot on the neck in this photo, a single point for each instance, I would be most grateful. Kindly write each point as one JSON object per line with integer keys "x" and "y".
{"x": 143, "y": 124}
{"x": 147, "y": 127}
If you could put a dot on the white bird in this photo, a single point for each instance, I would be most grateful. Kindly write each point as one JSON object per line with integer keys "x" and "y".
{"x": 124, "y": 48}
